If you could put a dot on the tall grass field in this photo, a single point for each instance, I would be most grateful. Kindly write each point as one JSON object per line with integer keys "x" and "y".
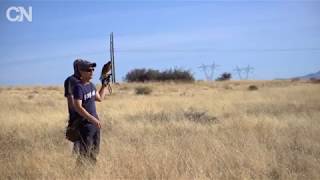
{"x": 201, "y": 130}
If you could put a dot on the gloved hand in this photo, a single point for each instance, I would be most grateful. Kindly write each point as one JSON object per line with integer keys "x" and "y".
{"x": 105, "y": 80}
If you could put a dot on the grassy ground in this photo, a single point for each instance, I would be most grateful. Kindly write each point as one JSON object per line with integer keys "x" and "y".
{"x": 179, "y": 131}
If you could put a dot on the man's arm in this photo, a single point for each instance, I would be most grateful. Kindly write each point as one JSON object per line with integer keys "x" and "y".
{"x": 84, "y": 113}
{"x": 102, "y": 93}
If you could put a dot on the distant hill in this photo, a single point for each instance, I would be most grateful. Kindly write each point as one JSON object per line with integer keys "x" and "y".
{"x": 309, "y": 76}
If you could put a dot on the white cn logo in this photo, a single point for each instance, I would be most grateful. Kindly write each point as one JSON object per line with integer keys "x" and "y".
{"x": 19, "y": 13}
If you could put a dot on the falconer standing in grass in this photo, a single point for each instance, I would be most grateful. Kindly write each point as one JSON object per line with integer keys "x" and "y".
{"x": 69, "y": 85}
{"x": 85, "y": 95}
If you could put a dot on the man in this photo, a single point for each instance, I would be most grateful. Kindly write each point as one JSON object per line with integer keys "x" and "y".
{"x": 69, "y": 85}
{"x": 85, "y": 95}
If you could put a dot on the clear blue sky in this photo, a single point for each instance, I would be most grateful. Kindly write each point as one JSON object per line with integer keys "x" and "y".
{"x": 280, "y": 39}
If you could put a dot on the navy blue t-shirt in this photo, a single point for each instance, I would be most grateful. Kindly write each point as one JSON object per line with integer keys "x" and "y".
{"x": 86, "y": 93}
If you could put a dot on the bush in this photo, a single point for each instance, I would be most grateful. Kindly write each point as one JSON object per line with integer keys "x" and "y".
{"x": 143, "y": 90}
{"x": 315, "y": 80}
{"x": 252, "y": 88}
{"x": 199, "y": 116}
{"x": 224, "y": 77}
{"x": 144, "y": 75}
{"x": 295, "y": 79}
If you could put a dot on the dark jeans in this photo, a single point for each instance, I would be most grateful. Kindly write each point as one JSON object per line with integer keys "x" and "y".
{"x": 89, "y": 143}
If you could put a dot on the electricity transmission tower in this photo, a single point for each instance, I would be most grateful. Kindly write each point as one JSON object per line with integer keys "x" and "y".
{"x": 248, "y": 70}
{"x": 209, "y": 70}
{"x": 239, "y": 72}
{"x": 245, "y": 70}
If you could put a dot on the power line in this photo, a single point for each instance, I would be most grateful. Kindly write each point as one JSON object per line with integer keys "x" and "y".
{"x": 218, "y": 50}
{"x": 161, "y": 50}
{"x": 48, "y": 58}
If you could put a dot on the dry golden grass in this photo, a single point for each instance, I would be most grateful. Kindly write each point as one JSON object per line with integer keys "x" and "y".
{"x": 180, "y": 131}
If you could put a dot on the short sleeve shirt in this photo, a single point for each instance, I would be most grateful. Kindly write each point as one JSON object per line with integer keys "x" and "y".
{"x": 86, "y": 93}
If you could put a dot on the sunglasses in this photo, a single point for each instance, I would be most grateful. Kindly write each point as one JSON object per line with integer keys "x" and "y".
{"x": 89, "y": 70}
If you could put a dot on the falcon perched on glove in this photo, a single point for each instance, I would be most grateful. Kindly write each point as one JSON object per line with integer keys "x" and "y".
{"x": 106, "y": 75}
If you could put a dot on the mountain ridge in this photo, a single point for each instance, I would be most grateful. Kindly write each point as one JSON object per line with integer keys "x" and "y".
{"x": 315, "y": 75}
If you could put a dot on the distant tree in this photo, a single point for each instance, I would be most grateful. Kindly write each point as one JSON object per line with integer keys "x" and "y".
{"x": 144, "y": 75}
{"x": 136, "y": 75}
{"x": 224, "y": 77}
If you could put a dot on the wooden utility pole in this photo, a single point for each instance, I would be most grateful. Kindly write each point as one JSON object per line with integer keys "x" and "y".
{"x": 113, "y": 71}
